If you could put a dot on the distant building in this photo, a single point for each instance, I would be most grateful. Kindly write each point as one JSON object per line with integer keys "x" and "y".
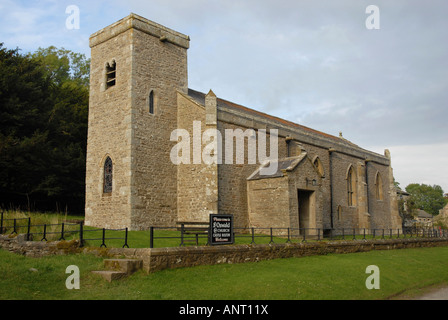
{"x": 442, "y": 218}
{"x": 424, "y": 219}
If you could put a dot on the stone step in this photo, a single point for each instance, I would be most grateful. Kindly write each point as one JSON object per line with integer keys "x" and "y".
{"x": 119, "y": 268}
{"x": 127, "y": 266}
{"x": 111, "y": 275}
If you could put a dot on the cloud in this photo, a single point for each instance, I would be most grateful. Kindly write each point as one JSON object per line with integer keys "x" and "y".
{"x": 419, "y": 164}
{"x": 313, "y": 62}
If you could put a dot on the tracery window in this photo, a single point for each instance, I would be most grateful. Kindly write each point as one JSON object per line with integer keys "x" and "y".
{"x": 351, "y": 185}
{"x": 107, "y": 181}
{"x": 379, "y": 186}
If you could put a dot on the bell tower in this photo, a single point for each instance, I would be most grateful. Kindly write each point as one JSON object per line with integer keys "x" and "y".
{"x": 137, "y": 68}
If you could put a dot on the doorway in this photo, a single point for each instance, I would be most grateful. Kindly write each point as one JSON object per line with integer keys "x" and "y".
{"x": 306, "y": 208}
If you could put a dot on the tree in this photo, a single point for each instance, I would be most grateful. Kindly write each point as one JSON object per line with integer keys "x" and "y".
{"x": 63, "y": 65}
{"x": 69, "y": 74}
{"x": 425, "y": 197}
{"x": 43, "y": 128}
{"x": 24, "y": 106}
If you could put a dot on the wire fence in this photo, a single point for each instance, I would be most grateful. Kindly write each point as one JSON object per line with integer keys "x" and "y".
{"x": 61, "y": 231}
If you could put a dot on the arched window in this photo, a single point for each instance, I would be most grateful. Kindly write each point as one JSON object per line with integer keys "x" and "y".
{"x": 318, "y": 164}
{"x": 151, "y": 102}
{"x": 351, "y": 187}
{"x": 107, "y": 180}
{"x": 379, "y": 186}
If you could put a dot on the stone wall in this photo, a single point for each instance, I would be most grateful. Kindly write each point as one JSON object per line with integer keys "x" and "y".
{"x": 149, "y": 58}
{"x": 37, "y": 249}
{"x": 158, "y": 66}
{"x": 268, "y": 202}
{"x": 192, "y": 178}
{"x": 109, "y": 134}
{"x": 157, "y": 259}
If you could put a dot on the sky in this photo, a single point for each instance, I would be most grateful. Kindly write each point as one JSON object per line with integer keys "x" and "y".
{"x": 313, "y": 62}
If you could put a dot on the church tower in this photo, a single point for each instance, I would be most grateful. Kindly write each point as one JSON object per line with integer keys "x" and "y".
{"x": 137, "y": 69}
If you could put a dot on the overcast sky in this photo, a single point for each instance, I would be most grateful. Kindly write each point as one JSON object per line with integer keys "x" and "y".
{"x": 312, "y": 62}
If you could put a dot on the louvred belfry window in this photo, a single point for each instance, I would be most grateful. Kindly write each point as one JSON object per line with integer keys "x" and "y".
{"x": 111, "y": 72}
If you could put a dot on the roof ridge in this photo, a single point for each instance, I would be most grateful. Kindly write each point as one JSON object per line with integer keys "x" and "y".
{"x": 268, "y": 116}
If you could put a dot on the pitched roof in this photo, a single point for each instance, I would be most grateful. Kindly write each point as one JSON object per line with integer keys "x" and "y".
{"x": 423, "y": 214}
{"x": 199, "y": 97}
{"x": 287, "y": 164}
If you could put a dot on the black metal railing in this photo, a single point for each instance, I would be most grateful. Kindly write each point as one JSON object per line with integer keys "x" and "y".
{"x": 182, "y": 236}
{"x": 291, "y": 235}
{"x": 103, "y": 237}
{"x": 61, "y": 231}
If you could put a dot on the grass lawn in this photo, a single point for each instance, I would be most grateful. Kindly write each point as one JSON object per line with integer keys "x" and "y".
{"x": 327, "y": 277}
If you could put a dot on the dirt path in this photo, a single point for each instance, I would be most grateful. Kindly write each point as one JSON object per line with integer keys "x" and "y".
{"x": 439, "y": 292}
{"x": 435, "y": 294}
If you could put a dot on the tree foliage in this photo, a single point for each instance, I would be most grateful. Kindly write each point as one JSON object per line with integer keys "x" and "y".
{"x": 43, "y": 128}
{"x": 426, "y": 197}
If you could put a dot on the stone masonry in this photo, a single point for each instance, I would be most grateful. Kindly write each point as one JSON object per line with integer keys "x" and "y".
{"x": 322, "y": 181}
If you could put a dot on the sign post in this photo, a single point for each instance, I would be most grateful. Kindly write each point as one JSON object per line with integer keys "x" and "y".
{"x": 221, "y": 229}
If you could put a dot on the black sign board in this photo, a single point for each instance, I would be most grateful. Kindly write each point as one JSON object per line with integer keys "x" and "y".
{"x": 221, "y": 229}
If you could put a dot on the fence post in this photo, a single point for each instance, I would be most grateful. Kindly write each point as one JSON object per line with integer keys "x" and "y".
{"x": 354, "y": 234}
{"x": 28, "y": 230}
{"x": 15, "y": 227}
{"x": 81, "y": 235}
{"x": 104, "y": 236}
{"x": 62, "y": 232}
{"x": 318, "y": 234}
{"x": 126, "y": 238}
{"x": 271, "y": 241}
{"x": 289, "y": 239}
{"x": 181, "y": 235}
{"x": 1, "y": 224}
{"x": 45, "y": 233}
{"x": 253, "y": 235}
{"x": 151, "y": 237}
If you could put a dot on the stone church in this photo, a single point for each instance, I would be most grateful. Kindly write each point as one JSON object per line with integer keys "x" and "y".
{"x": 139, "y": 96}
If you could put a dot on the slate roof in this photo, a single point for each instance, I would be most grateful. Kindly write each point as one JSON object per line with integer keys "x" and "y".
{"x": 199, "y": 97}
{"x": 287, "y": 164}
{"x": 423, "y": 214}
